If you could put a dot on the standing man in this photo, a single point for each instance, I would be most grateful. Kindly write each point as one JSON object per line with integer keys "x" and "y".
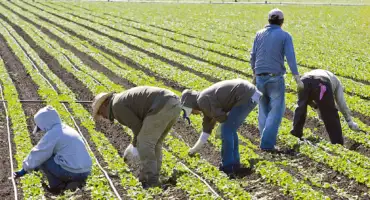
{"x": 229, "y": 103}
{"x": 60, "y": 154}
{"x": 321, "y": 88}
{"x": 150, "y": 113}
{"x": 270, "y": 47}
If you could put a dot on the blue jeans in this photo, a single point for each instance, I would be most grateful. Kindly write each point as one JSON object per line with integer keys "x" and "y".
{"x": 230, "y": 145}
{"x": 59, "y": 177}
{"x": 271, "y": 108}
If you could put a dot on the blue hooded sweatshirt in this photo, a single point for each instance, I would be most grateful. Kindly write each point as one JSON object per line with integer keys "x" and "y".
{"x": 60, "y": 140}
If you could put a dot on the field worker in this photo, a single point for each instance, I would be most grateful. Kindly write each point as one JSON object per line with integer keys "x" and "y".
{"x": 150, "y": 113}
{"x": 60, "y": 154}
{"x": 321, "y": 90}
{"x": 270, "y": 47}
{"x": 229, "y": 103}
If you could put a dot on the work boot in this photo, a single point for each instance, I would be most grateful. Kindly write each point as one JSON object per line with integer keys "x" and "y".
{"x": 73, "y": 186}
{"x": 228, "y": 171}
{"x": 54, "y": 190}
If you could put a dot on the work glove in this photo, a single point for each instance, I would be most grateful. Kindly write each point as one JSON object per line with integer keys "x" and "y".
{"x": 218, "y": 132}
{"x": 19, "y": 173}
{"x": 131, "y": 153}
{"x": 299, "y": 82}
{"x": 353, "y": 125}
{"x": 201, "y": 141}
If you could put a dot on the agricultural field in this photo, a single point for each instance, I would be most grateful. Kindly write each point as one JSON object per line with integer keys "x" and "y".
{"x": 67, "y": 51}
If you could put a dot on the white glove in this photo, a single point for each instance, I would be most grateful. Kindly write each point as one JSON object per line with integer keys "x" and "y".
{"x": 218, "y": 132}
{"x": 353, "y": 125}
{"x": 131, "y": 152}
{"x": 299, "y": 82}
{"x": 201, "y": 141}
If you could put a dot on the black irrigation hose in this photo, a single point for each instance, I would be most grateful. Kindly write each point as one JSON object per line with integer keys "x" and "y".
{"x": 87, "y": 145}
{"x": 9, "y": 145}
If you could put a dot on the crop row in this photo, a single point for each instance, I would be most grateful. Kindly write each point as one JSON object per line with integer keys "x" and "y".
{"x": 204, "y": 68}
{"x": 143, "y": 43}
{"x": 161, "y": 47}
{"x": 172, "y": 163}
{"x": 320, "y": 50}
{"x": 243, "y": 154}
{"x": 31, "y": 185}
{"x": 98, "y": 183}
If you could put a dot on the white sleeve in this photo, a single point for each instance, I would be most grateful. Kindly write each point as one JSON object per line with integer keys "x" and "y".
{"x": 341, "y": 102}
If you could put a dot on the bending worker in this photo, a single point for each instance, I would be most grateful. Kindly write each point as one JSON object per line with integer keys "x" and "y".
{"x": 150, "y": 113}
{"x": 321, "y": 90}
{"x": 229, "y": 103}
{"x": 60, "y": 154}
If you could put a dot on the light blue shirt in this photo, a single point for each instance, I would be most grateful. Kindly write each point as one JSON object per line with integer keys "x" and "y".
{"x": 269, "y": 48}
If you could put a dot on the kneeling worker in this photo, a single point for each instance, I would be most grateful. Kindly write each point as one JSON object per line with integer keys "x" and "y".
{"x": 150, "y": 113}
{"x": 322, "y": 89}
{"x": 229, "y": 103}
{"x": 60, "y": 154}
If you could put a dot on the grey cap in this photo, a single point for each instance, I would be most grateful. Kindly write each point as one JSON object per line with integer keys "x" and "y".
{"x": 276, "y": 13}
{"x": 188, "y": 101}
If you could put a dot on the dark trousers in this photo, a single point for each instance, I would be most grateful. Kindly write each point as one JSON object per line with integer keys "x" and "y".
{"x": 310, "y": 95}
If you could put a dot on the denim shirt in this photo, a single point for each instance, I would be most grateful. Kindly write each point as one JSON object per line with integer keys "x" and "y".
{"x": 269, "y": 48}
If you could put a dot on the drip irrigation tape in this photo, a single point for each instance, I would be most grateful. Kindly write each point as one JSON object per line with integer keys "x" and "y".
{"x": 200, "y": 178}
{"x": 10, "y": 146}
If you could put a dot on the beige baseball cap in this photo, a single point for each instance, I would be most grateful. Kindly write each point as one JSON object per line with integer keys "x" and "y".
{"x": 276, "y": 12}
{"x": 98, "y": 101}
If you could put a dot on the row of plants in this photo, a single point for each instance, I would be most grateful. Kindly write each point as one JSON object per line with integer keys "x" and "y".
{"x": 97, "y": 182}
{"x": 31, "y": 184}
{"x": 249, "y": 154}
{"x": 203, "y": 67}
{"x": 348, "y": 162}
{"x": 212, "y": 73}
{"x": 321, "y": 50}
{"x": 219, "y": 73}
{"x": 197, "y": 192}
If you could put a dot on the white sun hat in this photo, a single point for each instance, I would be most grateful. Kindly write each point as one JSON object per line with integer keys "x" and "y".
{"x": 98, "y": 101}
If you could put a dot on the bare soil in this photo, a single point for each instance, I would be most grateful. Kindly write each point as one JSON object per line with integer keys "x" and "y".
{"x": 6, "y": 187}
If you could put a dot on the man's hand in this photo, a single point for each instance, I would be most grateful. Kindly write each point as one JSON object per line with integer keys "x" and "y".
{"x": 201, "y": 141}
{"x": 300, "y": 85}
{"x": 19, "y": 173}
{"x": 353, "y": 125}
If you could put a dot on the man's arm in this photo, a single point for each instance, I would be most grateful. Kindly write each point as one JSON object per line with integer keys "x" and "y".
{"x": 253, "y": 55}
{"x": 341, "y": 102}
{"x": 290, "y": 54}
{"x": 129, "y": 119}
